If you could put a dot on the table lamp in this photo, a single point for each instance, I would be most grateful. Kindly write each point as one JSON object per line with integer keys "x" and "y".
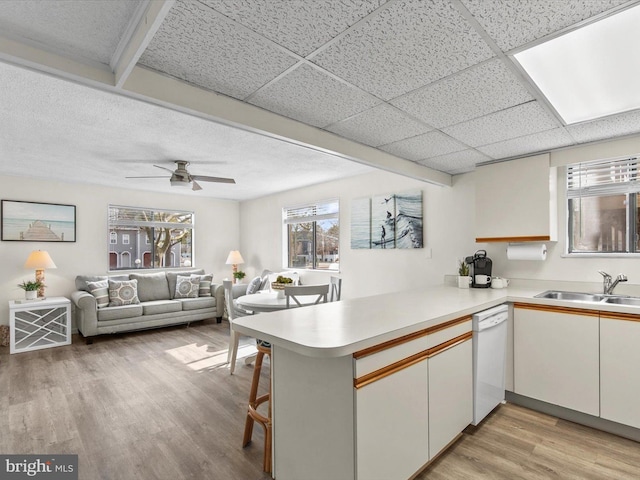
{"x": 234, "y": 259}
{"x": 39, "y": 260}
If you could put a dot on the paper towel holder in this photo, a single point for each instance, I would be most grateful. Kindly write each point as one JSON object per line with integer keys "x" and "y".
{"x": 526, "y": 251}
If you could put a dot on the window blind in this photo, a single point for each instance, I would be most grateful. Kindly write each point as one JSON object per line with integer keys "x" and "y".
{"x": 312, "y": 212}
{"x": 603, "y": 177}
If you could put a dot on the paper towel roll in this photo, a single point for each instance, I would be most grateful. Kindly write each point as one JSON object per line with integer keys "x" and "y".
{"x": 527, "y": 251}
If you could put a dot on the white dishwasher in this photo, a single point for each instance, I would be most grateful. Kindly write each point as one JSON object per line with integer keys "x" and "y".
{"x": 489, "y": 358}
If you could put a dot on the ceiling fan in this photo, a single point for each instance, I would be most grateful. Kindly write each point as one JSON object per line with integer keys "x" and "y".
{"x": 180, "y": 177}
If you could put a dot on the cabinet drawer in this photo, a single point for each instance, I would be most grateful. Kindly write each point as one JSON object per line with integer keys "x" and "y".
{"x": 382, "y": 355}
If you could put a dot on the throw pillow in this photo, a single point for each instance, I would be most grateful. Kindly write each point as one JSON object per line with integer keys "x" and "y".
{"x": 187, "y": 287}
{"x": 100, "y": 290}
{"x": 205, "y": 284}
{"x": 123, "y": 292}
{"x": 254, "y": 286}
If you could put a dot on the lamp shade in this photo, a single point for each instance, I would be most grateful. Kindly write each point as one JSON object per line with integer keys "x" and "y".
{"x": 234, "y": 258}
{"x": 39, "y": 260}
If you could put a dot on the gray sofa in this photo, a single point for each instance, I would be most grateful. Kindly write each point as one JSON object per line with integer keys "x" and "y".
{"x": 157, "y": 307}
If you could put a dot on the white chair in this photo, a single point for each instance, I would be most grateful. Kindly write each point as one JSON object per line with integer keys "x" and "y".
{"x": 233, "y": 312}
{"x": 294, "y": 293}
{"x": 335, "y": 289}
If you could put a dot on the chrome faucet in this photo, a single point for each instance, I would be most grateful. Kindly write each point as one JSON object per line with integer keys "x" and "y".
{"x": 608, "y": 284}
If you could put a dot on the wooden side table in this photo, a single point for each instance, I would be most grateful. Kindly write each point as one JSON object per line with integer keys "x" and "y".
{"x": 39, "y": 324}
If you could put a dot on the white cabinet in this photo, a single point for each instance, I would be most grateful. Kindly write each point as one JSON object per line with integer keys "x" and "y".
{"x": 516, "y": 201}
{"x": 450, "y": 394}
{"x": 556, "y": 356}
{"x": 619, "y": 361}
{"x": 39, "y": 324}
{"x": 392, "y": 425}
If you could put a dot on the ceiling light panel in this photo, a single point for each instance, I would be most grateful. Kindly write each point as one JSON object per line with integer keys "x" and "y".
{"x": 477, "y": 91}
{"x": 378, "y": 126}
{"x": 404, "y": 47}
{"x": 591, "y": 72}
{"x": 202, "y": 47}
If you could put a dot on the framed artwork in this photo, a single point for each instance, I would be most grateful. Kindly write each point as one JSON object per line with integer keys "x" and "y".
{"x": 37, "y": 222}
{"x": 387, "y": 221}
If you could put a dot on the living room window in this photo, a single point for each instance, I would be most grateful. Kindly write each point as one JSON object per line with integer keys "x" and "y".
{"x": 603, "y": 207}
{"x": 313, "y": 235}
{"x": 156, "y": 238}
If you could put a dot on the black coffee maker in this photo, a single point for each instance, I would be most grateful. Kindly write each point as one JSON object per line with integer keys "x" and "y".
{"x": 480, "y": 265}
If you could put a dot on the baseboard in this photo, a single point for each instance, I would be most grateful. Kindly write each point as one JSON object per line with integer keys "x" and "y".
{"x": 576, "y": 417}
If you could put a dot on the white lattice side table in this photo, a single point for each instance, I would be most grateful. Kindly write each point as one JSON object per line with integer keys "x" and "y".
{"x": 39, "y": 324}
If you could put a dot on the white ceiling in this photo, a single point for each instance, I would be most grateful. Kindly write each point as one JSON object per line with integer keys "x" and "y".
{"x": 413, "y": 85}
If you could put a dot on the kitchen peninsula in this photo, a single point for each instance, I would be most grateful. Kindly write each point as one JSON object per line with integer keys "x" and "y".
{"x": 376, "y": 387}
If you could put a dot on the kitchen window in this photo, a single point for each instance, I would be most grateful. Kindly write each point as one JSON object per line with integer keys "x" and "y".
{"x": 151, "y": 238}
{"x": 603, "y": 207}
{"x": 313, "y": 235}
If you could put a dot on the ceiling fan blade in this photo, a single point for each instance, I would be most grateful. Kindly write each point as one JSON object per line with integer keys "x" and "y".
{"x": 164, "y": 168}
{"x": 204, "y": 178}
{"x": 156, "y": 176}
{"x": 195, "y": 186}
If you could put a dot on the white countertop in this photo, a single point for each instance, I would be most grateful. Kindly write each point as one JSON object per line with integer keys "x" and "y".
{"x": 341, "y": 328}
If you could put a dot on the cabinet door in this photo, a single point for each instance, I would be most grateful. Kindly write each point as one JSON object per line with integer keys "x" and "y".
{"x": 556, "y": 356}
{"x": 392, "y": 425}
{"x": 450, "y": 395}
{"x": 619, "y": 378}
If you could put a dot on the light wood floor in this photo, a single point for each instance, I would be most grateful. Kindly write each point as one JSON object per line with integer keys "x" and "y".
{"x": 162, "y": 405}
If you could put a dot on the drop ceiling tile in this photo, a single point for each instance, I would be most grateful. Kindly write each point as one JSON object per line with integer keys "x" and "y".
{"x": 313, "y": 97}
{"x": 512, "y": 23}
{"x": 424, "y": 146}
{"x": 405, "y": 46}
{"x": 454, "y": 163}
{"x": 90, "y": 30}
{"x": 202, "y": 47}
{"x": 536, "y": 142}
{"x": 480, "y": 90}
{"x": 378, "y": 126}
{"x": 301, "y": 27}
{"x": 614, "y": 126}
{"x": 503, "y": 125}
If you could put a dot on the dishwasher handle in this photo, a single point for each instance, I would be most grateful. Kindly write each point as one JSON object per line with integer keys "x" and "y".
{"x": 492, "y": 321}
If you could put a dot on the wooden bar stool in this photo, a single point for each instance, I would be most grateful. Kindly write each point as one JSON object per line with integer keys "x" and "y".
{"x": 253, "y": 416}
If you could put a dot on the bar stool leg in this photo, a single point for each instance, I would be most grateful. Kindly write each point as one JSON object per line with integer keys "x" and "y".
{"x": 252, "y": 412}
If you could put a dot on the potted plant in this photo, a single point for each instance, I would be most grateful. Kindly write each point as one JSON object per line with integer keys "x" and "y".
{"x": 279, "y": 285}
{"x": 31, "y": 289}
{"x": 239, "y": 275}
{"x": 463, "y": 274}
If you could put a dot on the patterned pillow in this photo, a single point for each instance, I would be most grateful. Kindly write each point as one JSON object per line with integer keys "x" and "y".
{"x": 187, "y": 287}
{"x": 123, "y": 293}
{"x": 100, "y": 290}
{"x": 205, "y": 284}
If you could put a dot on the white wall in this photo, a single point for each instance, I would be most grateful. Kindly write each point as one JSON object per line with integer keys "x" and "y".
{"x": 217, "y": 227}
{"x": 448, "y": 224}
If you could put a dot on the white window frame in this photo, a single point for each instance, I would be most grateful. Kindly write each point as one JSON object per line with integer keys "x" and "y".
{"x": 305, "y": 213}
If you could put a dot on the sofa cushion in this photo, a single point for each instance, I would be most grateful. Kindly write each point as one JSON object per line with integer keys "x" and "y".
{"x": 205, "y": 285}
{"x": 187, "y": 287}
{"x": 254, "y": 286}
{"x": 152, "y": 286}
{"x": 123, "y": 293}
{"x": 161, "y": 306}
{"x": 82, "y": 280}
{"x": 172, "y": 278}
{"x": 100, "y": 290}
{"x": 197, "y": 303}
{"x": 118, "y": 313}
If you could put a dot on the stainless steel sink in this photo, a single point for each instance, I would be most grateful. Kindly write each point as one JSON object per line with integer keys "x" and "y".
{"x": 572, "y": 296}
{"x": 632, "y": 301}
